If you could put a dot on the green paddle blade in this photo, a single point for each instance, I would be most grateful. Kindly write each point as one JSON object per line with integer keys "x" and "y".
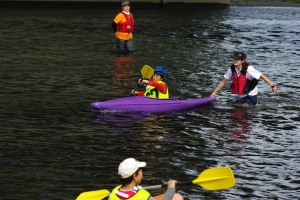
{"x": 147, "y": 71}
{"x": 93, "y": 195}
{"x": 218, "y": 178}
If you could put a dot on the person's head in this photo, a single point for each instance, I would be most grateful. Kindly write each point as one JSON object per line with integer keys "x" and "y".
{"x": 238, "y": 57}
{"x": 239, "y": 60}
{"x": 159, "y": 73}
{"x": 131, "y": 169}
{"x": 125, "y": 6}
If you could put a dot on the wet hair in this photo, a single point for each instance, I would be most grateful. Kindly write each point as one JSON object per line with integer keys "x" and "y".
{"x": 127, "y": 180}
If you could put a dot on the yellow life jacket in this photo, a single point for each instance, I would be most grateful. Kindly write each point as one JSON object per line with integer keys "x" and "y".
{"x": 152, "y": 92}
{"x": 141, "y": 194}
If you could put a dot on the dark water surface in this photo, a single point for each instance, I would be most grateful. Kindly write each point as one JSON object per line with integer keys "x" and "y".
{"x": 56, "y": 62}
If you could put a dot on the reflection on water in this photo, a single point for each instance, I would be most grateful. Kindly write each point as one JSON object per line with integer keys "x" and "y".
{"x": 240, "y": 123}
{"x": 123, "y": 67}
{"x": 56, "y": 62}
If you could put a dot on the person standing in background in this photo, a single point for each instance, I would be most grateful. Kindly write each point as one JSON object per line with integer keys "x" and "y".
{"x": 123, "y": 26}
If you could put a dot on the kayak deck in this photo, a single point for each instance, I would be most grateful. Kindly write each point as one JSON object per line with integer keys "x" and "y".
{"x": 145, "y": 104}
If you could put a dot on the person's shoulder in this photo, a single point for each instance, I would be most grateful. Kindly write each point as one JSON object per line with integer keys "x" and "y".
{"x": 119, "y": 17}
{"x": 230, "y": 69}
{"x": 119, "y": 14}
{"x": 251, "y": 68}
{"x": 253, "y": 72}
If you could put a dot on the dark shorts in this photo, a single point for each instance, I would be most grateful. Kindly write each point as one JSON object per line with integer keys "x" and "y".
{"x": 250, "y": 100}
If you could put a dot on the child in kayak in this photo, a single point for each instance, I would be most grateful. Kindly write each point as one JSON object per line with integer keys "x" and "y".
{"x": 155, "y": 88}
{"x": 131, "y": 174}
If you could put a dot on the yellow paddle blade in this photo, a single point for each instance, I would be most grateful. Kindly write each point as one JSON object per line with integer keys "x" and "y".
{"x": 93, "y": 195}
{"x": 218, "y": 178}
{"x": 147, "y": 71}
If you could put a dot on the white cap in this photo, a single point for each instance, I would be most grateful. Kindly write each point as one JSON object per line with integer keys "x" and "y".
{"x": 129, "y": 166}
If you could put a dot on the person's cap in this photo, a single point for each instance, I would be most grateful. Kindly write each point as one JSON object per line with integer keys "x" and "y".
{"x": 129, "y": 166}
{"x": 238, "y": 55}
{"x": 124, "y": 3}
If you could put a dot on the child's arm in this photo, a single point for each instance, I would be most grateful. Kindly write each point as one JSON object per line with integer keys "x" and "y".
{"x": 159, "y": 86}
{"x": 141, "y": 93}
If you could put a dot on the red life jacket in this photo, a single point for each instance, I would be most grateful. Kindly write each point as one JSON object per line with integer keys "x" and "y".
{"x": 238, "y": 82}
{"x": 241, "y": 84}
{"x": 126, "y": 26}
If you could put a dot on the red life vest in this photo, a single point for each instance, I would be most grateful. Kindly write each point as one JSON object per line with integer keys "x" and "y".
{"x": 126, "y": 26}
{"x": 238, "y": 83}
{"x": 241, "y": 84}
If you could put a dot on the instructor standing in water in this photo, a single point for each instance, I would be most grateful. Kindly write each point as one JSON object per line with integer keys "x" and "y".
{"x": 123, "y": 25}
{"x": 244, "y": 81}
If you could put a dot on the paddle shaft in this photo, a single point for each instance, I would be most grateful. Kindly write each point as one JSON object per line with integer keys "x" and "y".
{"x": 179, "y": 183}
{"x": 137, "y": 85}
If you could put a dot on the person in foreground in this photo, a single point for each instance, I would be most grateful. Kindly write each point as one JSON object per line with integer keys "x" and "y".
{"x": 131, "y": 174}
{"x": 244, "y": 81}
{"x": 155, "y": 88}
{"x": 123, "y": 26}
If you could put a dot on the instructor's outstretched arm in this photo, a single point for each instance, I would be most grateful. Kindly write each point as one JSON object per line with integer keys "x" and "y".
{"x": 219, "y": 87}
{"x": 265, "y": 78}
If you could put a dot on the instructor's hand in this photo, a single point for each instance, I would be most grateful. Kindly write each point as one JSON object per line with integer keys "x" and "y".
{"x": 274, "y": 89}
{"x": 213, "y": 94}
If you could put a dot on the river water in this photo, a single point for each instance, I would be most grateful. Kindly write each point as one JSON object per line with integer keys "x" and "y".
{"x": 56, "y": 62}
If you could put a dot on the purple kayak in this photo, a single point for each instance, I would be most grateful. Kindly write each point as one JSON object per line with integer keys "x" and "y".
{"x": 145, "y": 104}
